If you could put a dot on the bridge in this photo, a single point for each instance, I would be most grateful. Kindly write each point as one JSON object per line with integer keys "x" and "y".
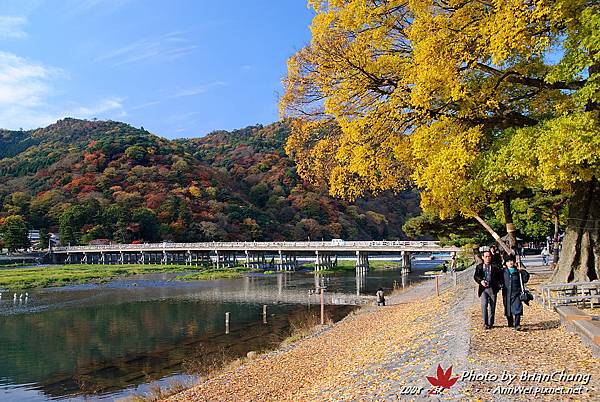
{"x": 277, "y": 255}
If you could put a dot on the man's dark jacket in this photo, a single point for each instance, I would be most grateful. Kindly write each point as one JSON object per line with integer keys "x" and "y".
{"x": 495, "y": 283}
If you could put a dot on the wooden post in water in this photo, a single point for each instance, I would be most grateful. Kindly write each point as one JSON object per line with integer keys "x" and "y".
{"x": 322, "y": 305}
{"x": 227, "y": 322}
{"x": 264, "y": 313}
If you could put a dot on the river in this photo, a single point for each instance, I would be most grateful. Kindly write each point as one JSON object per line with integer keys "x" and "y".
{"x": 104, "y": 341}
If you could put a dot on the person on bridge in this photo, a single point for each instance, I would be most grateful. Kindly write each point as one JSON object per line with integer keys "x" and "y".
{"x": 490, "y": 279}
{"x": 380, "y": 297}
{"x": 514, "y": 276}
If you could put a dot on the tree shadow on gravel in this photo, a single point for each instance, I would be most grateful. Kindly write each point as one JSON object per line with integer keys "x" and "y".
{"x": 541, "y": 326}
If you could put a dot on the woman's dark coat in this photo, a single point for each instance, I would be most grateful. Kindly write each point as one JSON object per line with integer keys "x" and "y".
{"x": 511, "y": 292}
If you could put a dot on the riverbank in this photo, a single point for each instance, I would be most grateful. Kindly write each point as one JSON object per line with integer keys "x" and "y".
{"x": 61, "y": 275}
{"x": 385, "y": 353}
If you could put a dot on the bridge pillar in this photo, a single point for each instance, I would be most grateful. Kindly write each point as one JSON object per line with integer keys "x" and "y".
{"x": 406, "y": 262}
{"x": 227, "y": 259}
{"x": 217, "y": 262}
{"x": 318, "y": 261}
{"x": 280, "y": 266}
{"x": 164, "y": 258}
{"x": 120, "y": 260}
{"x": 290, "y": 262}
{"x": 362, "y": 261}
{"x": 101, "y": 257}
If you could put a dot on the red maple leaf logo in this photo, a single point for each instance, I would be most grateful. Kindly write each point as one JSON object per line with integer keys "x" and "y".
{"x": 442, "y": 380}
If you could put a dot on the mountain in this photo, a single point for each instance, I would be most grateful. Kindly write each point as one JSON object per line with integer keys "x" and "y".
{"x": 105, "y": 179}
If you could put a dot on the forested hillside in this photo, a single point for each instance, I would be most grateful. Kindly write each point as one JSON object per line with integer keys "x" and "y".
{"x": 102, "y": 179}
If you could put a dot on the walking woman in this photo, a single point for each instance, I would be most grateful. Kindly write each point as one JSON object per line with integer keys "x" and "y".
{"x": 514, "y": 276}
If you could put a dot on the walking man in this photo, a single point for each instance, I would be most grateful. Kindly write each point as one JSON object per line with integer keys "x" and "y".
{"x": 489, "y": 276}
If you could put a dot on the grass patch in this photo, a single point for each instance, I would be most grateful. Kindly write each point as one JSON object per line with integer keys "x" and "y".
{"x": 382, "y": 265}
{"x": 350, "y": 265}
{"x": 60, "y": 275}
{"x": 209, "y": 274}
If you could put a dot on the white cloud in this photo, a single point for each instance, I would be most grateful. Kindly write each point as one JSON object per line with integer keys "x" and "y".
{"x": 167, "y": 47}
{"x": 145, "y": 105}
{"x": 114, "y": 105}
{"x": 23, "y": 82}
{"x": 26, "y": 96}
{"x": 15, "y": 117}
{"x": 197, "y": 90}
{"x": 12, "y": 26}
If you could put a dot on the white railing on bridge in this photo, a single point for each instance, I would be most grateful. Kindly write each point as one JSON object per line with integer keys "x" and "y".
{"x": 267, "y": 246}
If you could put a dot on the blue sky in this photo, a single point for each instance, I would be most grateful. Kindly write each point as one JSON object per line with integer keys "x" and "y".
{"x": 180, "y": 68}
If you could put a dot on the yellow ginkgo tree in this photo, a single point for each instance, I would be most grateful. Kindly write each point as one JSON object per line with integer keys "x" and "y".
{"x": 391, "y": 93}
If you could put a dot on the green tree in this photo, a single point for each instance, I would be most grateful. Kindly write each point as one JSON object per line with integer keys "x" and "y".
{"x": 137, "y": 154}
{"x": 18, "y": 203}
{"x": 15, "y": 233}
{"x": 149, "y": 228}
{"x": 70, "y": 224}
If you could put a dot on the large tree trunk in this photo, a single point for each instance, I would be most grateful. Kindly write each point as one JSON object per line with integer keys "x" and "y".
{"x": 580, "y": 255}
{"x": 510, "y": 227}
{"x": 555, "y": 248}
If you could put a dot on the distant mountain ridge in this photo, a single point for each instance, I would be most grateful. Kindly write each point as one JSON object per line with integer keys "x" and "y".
{"x": 105, "y": 179}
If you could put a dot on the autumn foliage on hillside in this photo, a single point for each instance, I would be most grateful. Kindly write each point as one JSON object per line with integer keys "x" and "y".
{"x": 107, "y": 180}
